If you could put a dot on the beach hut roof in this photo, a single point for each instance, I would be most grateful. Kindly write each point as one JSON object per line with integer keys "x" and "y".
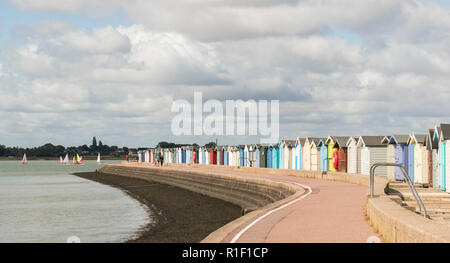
{"x": 371, "y": 141}
{"x": 321, "y": 142}
{"x": 350, "y": 139}
{"x": 341, "y": 141}
{"x": 396, "y": 139}
{"x": 301, "y": 141}
{"x": 429, "y": 142}
{"x": 290, "y": 143}
{"x": 416, "y": 138}
{"x": 442, "y": 132}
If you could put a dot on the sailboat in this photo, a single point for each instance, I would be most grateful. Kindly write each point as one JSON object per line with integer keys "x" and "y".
{"x": 66, "y": 160}
{"x": 60, "y": 159}
{"x": 24, "y": 159}
{"x": 98, "y": 159}
{"x": 79, "y": 160}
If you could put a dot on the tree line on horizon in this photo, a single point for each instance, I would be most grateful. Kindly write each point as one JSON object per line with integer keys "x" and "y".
{"x": 50, "y": 150}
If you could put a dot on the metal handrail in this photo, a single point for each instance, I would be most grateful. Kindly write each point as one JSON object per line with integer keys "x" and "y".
{"x": 408, "y": 182}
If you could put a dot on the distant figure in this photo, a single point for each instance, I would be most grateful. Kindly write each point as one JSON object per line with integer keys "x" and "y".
{"x": 161, "y": 159}
{"x": 127, "y": 158}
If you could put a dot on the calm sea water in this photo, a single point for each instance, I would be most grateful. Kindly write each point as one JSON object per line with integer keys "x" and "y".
{"x": 41, "y": 202}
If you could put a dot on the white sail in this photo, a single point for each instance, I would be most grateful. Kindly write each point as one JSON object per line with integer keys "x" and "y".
{"x": 98, "y": 158}
{"x": 24, "y": 159}
{"x": 66, "y": 159}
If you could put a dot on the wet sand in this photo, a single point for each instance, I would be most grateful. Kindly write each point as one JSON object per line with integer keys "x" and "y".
{"x": 178, "y": 215}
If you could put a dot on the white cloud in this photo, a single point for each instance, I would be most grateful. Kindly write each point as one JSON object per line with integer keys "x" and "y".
{"x": 121, "y": 81}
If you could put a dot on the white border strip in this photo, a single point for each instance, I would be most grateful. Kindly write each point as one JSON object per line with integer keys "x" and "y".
{"x": 271, "y": 211}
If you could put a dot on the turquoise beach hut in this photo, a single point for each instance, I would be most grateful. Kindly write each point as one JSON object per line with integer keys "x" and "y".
{"x": 275, "y": 156}
{"x": 323, "y": 155}
{"x": 269, "y": 157}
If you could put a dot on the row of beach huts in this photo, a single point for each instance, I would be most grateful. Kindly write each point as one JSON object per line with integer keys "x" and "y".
{"x": 426, "y": 157}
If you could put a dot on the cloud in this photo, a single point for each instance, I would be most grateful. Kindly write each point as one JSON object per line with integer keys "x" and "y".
{"x": 119, "y": 82}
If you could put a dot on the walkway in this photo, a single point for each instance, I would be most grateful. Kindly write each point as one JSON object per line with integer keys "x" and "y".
{"x": 332, "y": 213}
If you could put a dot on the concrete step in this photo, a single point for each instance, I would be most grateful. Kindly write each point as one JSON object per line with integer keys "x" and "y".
{"x": 436, "y": 211}
{"x": 401, "y": 185}
{"x": 425, "y": 196}
{"x": 429, "y": 203}
{"x": 441, "y": 218}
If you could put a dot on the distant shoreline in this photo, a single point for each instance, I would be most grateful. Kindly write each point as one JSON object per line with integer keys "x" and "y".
{"x": 105, "y": 158}
{"x": 179, "y": 216}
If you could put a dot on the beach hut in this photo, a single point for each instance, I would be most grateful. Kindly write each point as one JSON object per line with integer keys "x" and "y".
{"x": 262, "y": 156}
{"x": 212, "y": 153}
{"x": 275, "y": 156}
{"x": 372, "y": 151}
{"x": 417, "y": 159}
{"x": 309, "y": 154}
{"x": 398, "y": 152}
{"x": 220, "y": 157}
{"x": 306, "y": 155}
{"x": 174, "y": 155}
{"x": 315, "y": 153}
{"x": 241, "y": 155}
{"x": 289, "y": 154}
{"x": 285, "y": 148}
{"x": 323, "y": 155}
{"x": 217, "y": 151}
{"x": 147, "y": 156}
{"x": 257, "y": 156}
{"x": 225, "y": 155}
{"x": 299, "y": 143}
{"x": 183, "y": 154}
{"x": 201, "y": 155}
{"x": 235, "y": 155}
{"x": 442, "y": 135}
{"x": 251, "y": 155}
{"x": 246, "y": 156}
{"x": 207, "y": 155}
{"x": 352, "y": 156}
{"x": 337, "y": 153}
{"x": 269, "y": 156}
{"x": 432, "y": 158}
{"x": 188, "y": 154}
{"x": 281, "y": 155}
{"x": 341, "y": 145}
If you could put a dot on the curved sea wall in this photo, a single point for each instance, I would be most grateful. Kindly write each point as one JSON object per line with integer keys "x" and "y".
{"x": 248, "y": 193}
{"x": 392, "y": 222}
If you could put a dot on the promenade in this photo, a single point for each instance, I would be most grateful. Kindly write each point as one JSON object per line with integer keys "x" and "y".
{"x": 328, "y": 211}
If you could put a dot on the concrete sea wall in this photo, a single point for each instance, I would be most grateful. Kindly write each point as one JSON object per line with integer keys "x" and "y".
{"x": 392, "y": 222}
{"x": 248, "y": 193}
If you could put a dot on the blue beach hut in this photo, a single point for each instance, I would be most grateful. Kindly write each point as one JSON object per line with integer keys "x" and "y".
{"x": 411, "y": 161}
{"x": 323, "y": 155}
{"x": 442, "y": 134}
{"x": 183, "y": 155}
{"x": 398, "y": 143}
{"x": 269, "y": 156}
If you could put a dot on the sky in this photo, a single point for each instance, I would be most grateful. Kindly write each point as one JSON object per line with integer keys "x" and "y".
{"x": 71, "y": 70}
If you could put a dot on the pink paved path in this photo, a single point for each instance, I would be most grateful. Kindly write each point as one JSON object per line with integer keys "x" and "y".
{"x": 333, "y": 212}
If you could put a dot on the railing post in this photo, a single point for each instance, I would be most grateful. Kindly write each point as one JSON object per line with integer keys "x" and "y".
{"x": 408, "y": 182}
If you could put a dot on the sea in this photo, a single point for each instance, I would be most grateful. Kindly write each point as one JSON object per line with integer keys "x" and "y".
{"x": 41, "y": 202}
